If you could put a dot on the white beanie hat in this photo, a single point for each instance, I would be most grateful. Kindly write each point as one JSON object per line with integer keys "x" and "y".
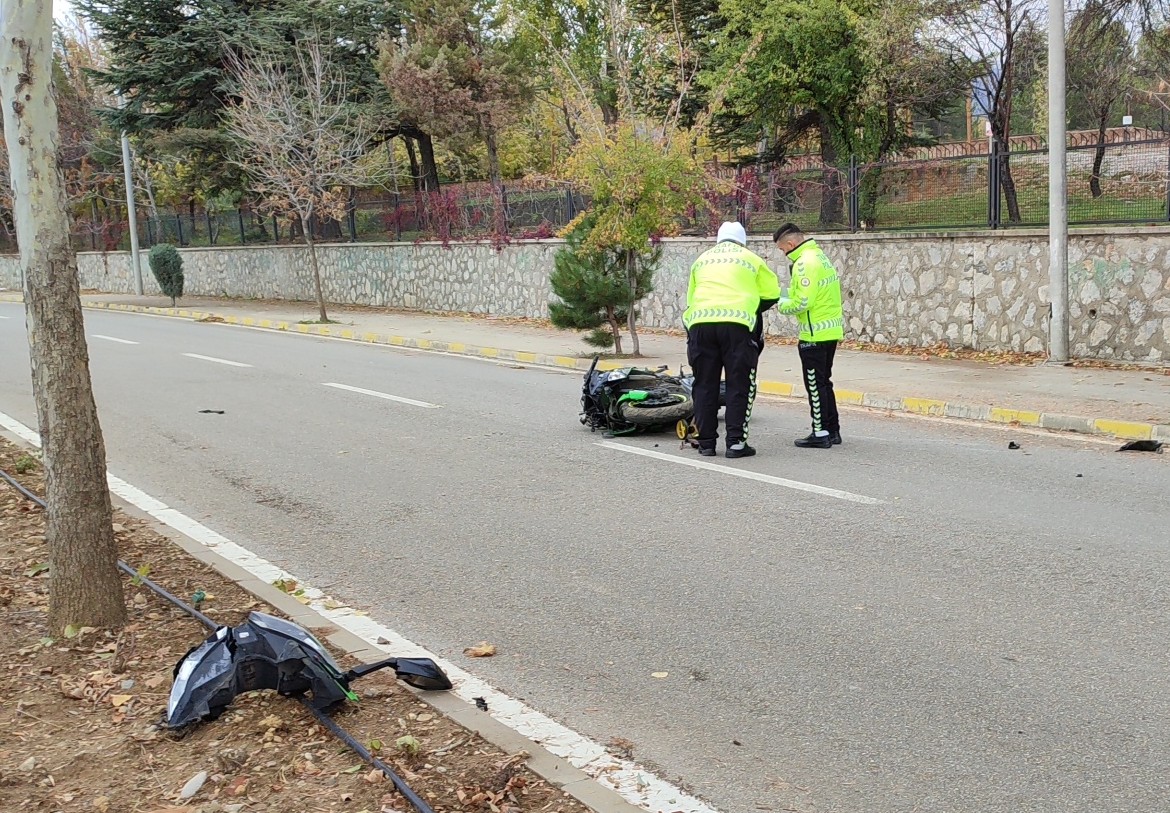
{"x": 732, "y": 231}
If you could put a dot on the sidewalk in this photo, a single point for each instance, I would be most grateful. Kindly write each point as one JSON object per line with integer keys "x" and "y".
{"x": 1130, "y": 404}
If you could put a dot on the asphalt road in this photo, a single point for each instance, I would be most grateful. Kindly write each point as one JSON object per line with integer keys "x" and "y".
{"x": 992, "y": 636}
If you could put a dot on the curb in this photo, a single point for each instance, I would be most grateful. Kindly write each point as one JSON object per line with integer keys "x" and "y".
{"x": 558, "y": 772}
{"x": 554, "y": 770}
{"x": 1009, "y": 416}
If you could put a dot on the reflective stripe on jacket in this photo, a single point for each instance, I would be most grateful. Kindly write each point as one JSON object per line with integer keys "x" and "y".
{"x": 814, "y": 295}
{"x": 727, "y": 283}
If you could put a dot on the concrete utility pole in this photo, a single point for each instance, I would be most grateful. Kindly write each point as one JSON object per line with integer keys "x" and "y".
{"x": 1057, "y": 188}
{"x": 131, "y": 214}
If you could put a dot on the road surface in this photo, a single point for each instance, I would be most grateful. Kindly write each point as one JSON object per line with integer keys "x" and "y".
{"x": 939, "y": 624}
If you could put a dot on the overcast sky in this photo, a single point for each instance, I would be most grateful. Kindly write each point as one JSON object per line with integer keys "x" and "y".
{"x": 62, "y": 8}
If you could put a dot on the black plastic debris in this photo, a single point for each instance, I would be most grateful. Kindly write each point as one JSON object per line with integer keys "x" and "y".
{"x": 481, "y": 704}
{"x": 1142, "y": 446}
{"x": 211, "y": 412}
{"x": 1013, "y": 445}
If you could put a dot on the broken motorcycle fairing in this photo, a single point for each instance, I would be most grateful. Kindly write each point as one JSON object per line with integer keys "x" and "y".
{"x": 266, "y": 652}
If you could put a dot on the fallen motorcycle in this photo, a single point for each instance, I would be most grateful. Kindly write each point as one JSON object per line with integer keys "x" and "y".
{"x": 630, "y": 400}
{"x": 686, "y": 430}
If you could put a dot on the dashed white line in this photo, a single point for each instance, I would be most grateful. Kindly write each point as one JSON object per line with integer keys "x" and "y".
{"x": 113, "y": 339}
{"x": 747, "y": 475}
{"x": 217, "y": 361}
{"x": 637, "y": 785}
{"x": 387, "y": 396}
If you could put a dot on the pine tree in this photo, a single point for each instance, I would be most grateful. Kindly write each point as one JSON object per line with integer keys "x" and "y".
{"x": 592, "y": 287}
{"x": 170, "y": 60}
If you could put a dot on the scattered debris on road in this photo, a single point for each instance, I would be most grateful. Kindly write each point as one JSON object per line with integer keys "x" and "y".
{"x": 80, "y": 714}
{"x": 1142, "y": 446}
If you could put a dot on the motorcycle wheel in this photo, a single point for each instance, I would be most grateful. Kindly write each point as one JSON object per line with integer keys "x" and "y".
{"x": 659, "y": 414}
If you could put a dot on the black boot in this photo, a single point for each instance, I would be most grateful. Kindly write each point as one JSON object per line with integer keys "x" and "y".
{"x": 815, "y": 442}
{"x": 835, "y": 437}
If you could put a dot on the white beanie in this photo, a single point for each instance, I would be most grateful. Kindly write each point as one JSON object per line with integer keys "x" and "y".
{"x": 732, "y": 231}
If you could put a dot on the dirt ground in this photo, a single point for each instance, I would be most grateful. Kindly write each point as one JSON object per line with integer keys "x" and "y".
{"x": 78, "y": 714}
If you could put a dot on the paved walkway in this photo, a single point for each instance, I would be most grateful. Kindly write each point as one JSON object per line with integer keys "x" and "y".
{"x": 1126, "y": 403}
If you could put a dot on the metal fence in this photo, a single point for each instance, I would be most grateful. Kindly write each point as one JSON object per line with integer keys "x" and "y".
{"x": 1123, "y": 182}
{"x": 938, "y": 189}
{"x": 471, "y": 211}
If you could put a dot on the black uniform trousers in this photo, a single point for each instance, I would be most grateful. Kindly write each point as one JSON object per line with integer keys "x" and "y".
{"x": 817, "y": 360}
{"x": 715, "y": 348}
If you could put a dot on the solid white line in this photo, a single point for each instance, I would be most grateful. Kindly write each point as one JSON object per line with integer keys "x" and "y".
{"x": 634, "y": 783}
{"x": 112, "y": 339}
{"x": 217, "y": 361}
{"x": 747, "y": 475}
{"x": 377, "y": 394}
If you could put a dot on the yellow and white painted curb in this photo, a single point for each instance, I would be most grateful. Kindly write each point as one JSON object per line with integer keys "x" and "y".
{"x": 1129, "y": 430}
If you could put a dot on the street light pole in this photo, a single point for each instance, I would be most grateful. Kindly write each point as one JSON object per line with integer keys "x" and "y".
{"x": 1058, "y": 327}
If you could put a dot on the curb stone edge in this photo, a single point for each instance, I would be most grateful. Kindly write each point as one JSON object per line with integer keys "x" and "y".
{"x": 1109, "y": 427}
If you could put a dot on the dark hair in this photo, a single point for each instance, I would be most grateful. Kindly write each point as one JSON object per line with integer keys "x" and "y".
{"x": 784, "y": 231}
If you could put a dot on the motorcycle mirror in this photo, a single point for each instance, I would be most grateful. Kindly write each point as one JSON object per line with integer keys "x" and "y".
{"x": 421, "y": 673}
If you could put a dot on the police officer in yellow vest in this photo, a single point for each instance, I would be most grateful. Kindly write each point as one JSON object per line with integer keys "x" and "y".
{"x": 814, "y": 298}
{"x": 730, "y": 288}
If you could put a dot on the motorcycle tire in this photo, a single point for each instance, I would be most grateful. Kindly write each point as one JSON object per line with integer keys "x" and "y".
{"x": 659, "y": 414}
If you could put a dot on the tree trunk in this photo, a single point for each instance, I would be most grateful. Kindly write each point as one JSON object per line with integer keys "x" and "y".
{"x": 85, "y": 587}
{"x": 570, "y": 128}
{"x": 147, "y": 184}
{"x": 308, "y": 235}
{"x": 831, "y": 201}
{"x": 494, "y": 176}
{"x": 1009, "y": 186}
{"x": 632, "y": 314}
{"x": 611, "y": 317}
{"x": 415, "y": 172}
{"x": 430, "y": 170}
{"x": 609, "y": 114}
{"x": 1099, "y": 155}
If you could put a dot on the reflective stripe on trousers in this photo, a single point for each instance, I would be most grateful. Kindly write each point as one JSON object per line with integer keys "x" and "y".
{"x": 747, "y": 418}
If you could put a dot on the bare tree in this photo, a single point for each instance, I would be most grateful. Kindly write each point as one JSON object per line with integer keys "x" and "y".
{"x": 1002, "y": 37}
{"x": 1100, "y": 74}
{"x": 301, "y": 142}
{"x": 85, "y": 587}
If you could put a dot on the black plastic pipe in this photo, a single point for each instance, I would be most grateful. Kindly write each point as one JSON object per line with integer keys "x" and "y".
{"x": 322, "y": 717}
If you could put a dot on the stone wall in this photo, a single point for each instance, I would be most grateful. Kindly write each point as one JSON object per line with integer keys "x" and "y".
{"x": 981, "y": 289}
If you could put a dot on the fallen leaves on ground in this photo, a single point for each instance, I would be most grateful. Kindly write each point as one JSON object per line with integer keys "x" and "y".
{"x": 79, "y": 714}
{"x": 481, "y": 650}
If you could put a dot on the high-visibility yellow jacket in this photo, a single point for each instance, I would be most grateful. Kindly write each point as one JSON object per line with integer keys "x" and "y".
{"x": 727, "y": 284}
{"x": 814, "y": 295}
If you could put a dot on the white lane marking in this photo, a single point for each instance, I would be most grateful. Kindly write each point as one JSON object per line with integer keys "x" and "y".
{"x": 388, "y": 397}
{"x": 631, "y": 781}
{"x": 113, "y": 339}
{"x": 747, "y": 475}
{"x": 217, "y": 361}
